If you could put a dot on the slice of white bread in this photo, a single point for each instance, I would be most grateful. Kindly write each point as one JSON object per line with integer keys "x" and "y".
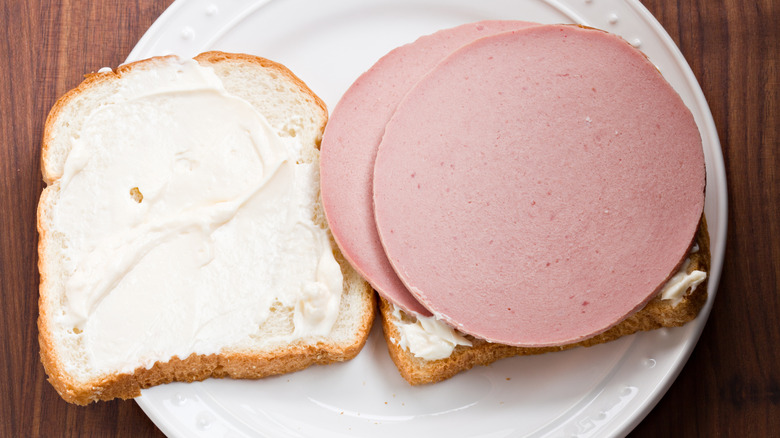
{"x": 656, "y": 314}
{"x": 292, "y": 111}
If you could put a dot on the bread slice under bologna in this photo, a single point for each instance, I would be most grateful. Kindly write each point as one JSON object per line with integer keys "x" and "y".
{"x": 658, "y": 313}
{"x": 409, "y": 237}
{"x": 292, "y": 110}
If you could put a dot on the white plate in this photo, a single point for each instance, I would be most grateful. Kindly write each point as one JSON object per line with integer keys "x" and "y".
{"x": 600, "y": 391}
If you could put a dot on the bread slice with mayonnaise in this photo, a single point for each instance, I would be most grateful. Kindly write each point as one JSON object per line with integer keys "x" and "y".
{"x": 426, "y": 350}
{"x": 181, "y": 235}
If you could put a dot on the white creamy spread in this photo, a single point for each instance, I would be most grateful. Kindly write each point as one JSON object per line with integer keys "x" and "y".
{"x": 427, "y": 337}
{"x": 677, "y": 286}
{"x": 187, "y": 220}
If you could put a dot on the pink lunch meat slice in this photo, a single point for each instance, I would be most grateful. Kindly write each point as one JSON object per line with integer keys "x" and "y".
{"x": 538, "y": 186}
{"x": 351, "y": 140}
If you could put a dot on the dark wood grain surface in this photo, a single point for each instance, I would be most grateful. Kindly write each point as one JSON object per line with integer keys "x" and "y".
{"x": 729, "y": 387}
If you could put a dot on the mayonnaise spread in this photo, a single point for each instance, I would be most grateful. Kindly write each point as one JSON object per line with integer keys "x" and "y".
{"x": 677, "y": 286}
{"x": 425, "y": 336}
{"x": 187, "y": 223}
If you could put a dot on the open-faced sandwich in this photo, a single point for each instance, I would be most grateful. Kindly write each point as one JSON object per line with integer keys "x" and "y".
{"x": 512, "y": 188}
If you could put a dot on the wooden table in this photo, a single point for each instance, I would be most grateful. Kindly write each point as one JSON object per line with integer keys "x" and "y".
{"x": 729, "y": 387}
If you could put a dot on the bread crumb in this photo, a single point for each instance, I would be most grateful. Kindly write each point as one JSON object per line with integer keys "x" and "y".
{"x": 136, "y": 195}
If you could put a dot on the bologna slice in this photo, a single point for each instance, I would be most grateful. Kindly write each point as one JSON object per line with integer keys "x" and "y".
{"x": 538, "y": 186}
{"x": 351, "y": 140}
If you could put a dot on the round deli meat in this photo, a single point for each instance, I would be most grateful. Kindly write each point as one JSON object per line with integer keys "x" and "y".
{"x": 539, "y": 186}
{"x": 351, "y": 140}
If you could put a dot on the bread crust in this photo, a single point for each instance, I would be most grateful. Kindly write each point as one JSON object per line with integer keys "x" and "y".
{"x": 656, "y": 314}
{"x": 237, "y": 364}
{"x": 196, "y": 367}
{"x": 215, "y": 57}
